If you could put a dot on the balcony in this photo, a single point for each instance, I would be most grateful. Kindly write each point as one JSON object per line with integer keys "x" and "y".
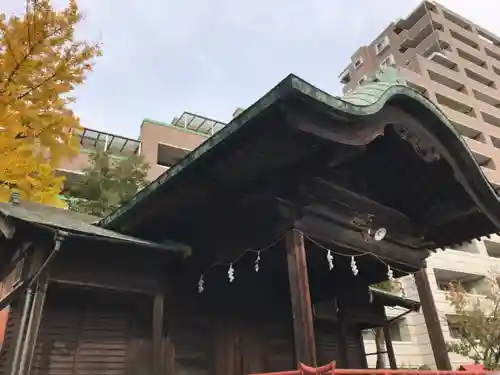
{"x": 454, "y": 100}
{"x": 419, "y": 31}
{"x": 445, "y": 77}
{"x": 490, "y": 42}
{"x": 198, "y": 124}
{"x": 492, "y": 248}
{"x": 463, "y": 261}
{"x": 472, "y": 59}
{"x": 465, "y": 37}
{"x": 442, "y": 59}
{"x": 168, "y": 155}
{"x": 457, "y": 22}
{"x": 95, "y": 140}
{"x": 473, "y": 284}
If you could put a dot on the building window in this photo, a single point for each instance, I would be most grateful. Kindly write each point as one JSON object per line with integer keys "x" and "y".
{"x": 368, "y": 334}
{"x": 382, "y": 45}
{"x": 453, "y": 327}
{"x": 398, "y": 330}
{"x": 345, "y": 78}
{"x": 488, "y": 38}
{"x": 362, "y": 80}
{"x": 388, "y": 61}
{"x": 168, "y": 155}
{"x": 358, "y": 63}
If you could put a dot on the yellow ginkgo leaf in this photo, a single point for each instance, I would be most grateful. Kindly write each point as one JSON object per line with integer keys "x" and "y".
{"x": 41, "y": 62}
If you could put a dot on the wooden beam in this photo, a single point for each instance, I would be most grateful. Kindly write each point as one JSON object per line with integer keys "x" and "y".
{"x": 303, "y": 328}
{"x": 158, "y": 317}
{"x": 350, "y": 239}
{"x": 109, "y": 287}
{"x": 330, "y": 193}
{"x": 431, "y": 317}
{"x": 389, "y": 347}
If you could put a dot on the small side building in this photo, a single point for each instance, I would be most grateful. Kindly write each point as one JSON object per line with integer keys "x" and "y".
{"x": 81, "y": 299}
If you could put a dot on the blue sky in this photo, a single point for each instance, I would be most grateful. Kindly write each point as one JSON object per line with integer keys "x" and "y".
{"x": 161, "y": 57}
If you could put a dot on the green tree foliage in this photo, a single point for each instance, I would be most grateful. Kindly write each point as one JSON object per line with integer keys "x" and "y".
{"x": 108, "y": 183}
{"x": 478, "y": 323}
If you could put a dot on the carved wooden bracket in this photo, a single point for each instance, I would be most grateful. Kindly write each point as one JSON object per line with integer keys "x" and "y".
{"x": 423, "y": 147}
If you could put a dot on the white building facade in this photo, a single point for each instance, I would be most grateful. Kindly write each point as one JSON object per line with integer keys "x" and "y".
{"x": 472, "y": 265}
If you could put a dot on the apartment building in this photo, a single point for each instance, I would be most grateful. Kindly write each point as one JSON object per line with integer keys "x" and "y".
{"x": 456, "y": 64}
{"x": 161, "y": 144}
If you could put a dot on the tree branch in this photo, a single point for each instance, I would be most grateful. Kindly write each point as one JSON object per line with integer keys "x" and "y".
{"x": 47, "y": 80}
{"x": 19, "y": 63}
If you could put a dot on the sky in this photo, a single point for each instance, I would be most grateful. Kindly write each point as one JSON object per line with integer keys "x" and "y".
{"x": 163, "y": 57}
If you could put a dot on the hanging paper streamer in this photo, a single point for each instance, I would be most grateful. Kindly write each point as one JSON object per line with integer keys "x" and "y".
{"x": 390, "y": 274}
{"x": 329, "y": 258}
{"x": 354, "y": 267}
{"x": 256, "y": 265}
{"x": 402, "y": 289}
{"x": 200, "y": 284}
{"x": 230, "y": 273}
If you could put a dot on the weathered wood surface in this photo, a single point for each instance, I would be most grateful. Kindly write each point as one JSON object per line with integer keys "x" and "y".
{"x": 431, "y": 317}
{"x": 303, "y": 326}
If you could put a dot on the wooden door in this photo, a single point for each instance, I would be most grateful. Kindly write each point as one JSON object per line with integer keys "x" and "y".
{"x": 194, "y": 343}
{"x": 327, "y": 342}
{"x": 279, "y": 352}
{"x": 354, "y": 347}
{"x": 245, "y": 346}
{"x": 81, "y": 340}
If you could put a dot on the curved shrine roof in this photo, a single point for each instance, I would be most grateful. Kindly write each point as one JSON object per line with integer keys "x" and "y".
{"x": 382, "y": 141}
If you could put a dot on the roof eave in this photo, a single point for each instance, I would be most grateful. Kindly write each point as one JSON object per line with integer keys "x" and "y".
{"x": 391, "y": 299}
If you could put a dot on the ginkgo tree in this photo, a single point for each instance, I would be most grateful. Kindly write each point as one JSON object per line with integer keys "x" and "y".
{"x": 41, "y": 63}
{"x": 477, "y": 322}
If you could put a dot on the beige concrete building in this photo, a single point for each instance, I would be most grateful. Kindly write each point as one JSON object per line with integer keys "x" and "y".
{"x": 456, "y": 64}
{"x": 161, "y": 144}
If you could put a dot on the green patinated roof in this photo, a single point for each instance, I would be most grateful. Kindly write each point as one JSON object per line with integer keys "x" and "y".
{"x": 365, "y": 100}
{"x": 374, "y": 87}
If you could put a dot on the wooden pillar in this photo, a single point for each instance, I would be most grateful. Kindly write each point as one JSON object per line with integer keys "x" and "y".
{"x": 20, "y": 328}
{"x": 157, "y": 338}
{"x": 34, "y": 325}
{"x": 303, "y": 327}
{"x": 432, "y": 321}
{"x": 28, "y": 325}
{"x": 389, "y": 347}
{"x": 169, "y": 346}
{"x": 342, "y": 328}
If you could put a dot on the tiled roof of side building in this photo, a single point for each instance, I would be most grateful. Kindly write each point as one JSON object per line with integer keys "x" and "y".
{"x": 73, "y": 223}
